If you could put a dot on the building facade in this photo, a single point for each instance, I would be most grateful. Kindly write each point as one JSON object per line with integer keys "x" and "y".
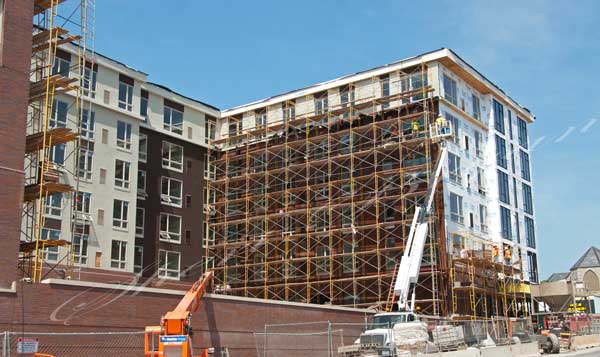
{"x": 136, "y": 172}
{"x": 314, "y": 189}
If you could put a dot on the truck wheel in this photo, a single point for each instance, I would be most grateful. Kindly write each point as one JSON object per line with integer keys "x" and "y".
{"x": 554, "y": 343}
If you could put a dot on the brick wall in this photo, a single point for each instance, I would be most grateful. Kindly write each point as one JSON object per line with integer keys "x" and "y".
{"x": 220, "y": 322}
{"x": 15, "y": 59}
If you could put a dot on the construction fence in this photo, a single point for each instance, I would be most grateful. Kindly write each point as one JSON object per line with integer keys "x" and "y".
{"x": 328, "y": 339}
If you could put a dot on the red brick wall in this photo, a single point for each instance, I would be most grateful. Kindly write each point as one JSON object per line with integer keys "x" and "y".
{"x": 15, "y": 59}
{"x": 220, "y": 322}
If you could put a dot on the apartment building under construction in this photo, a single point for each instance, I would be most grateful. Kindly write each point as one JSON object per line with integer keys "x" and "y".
{"x": 312, "y": 192}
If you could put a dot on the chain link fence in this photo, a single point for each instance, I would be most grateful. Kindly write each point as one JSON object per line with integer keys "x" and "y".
{"x": 118, "y": 344}
{"x": 328, "y": 339}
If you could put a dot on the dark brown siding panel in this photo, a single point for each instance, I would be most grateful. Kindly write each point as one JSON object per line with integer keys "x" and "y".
{"x": 125, "y": 79}
{"x": 174, "y": 105}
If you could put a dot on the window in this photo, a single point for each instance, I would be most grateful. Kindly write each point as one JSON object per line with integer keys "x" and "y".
{"x": 481, "y": 181}
{"x": 527, "y": 199}
{"x": 516, "y": 202}
{"x": 170, "y": 228}
{"x": 450, "y": 90}
{"x": 512, "y": 158}
{"x": 173, "y": 120}
{"x": 171, "y": 192}
{"x": 483, "y": 218}
{"x": 532, "y": 262}
{"x": 510, "y": 130}
{"x": 503, "y": 191}
{"x": 172, "y": 156}
{"x": 143, "y": 148}
{"x": 530, "y": 232}
{"x": 525, "y": 171}
{"x": 289, "y": 111}
{"x": 501, "y": 152}
{"x": 168, "y": 264}
{"x": 210, "y": 170}
{"x": 141, "y": 184}
{"x": 505, "y": 223}
{"x": 53, "y": 205}
{"x": 144, "y": 104}
{"x": 476, "y": 107}
{"x": 50, "y": 253}
{"x": 522, "y": 127}
{"x": 138, "y": 259}
{"x": 57, "y": 154}
{"x": 321, "y": 103}
{"x": 498, "y": 116}
{"x": 348, "y": 262}
{"x": 235, "y": 127}
{"x": 120, "y": 214}
{"x": 125, "y": 92}
{"x": 90, "y": 73}
{"x": 467, "y": 148}
{"x": 478, "y": 149}
{"x": 81, "y": 235}
{"x": 517, "y": 228}
{"x": 82, "y": 202}
{"x": 385, "y": 88}
{"x": 62, "y": 62}
{"x": 122, "y": 174}
{"x": 84, "y": 164}
{"x": 58, "y": 119}
{"x": 347, "y": 95}
{"x": 260, "y": 118}
{"x": 413, "y": 82}
{"x": 139, "y": 222}
{"x": 87, "y": 124}
{"x": 456, "y": 208}
{"x": 124, "y": 135}
{"x": 322, "y": 254}
{"x": 118, "y": 254}
{"x": 455, "y": 127}
{"x": 209, "y": 129}
{"x": 454, "y": 168}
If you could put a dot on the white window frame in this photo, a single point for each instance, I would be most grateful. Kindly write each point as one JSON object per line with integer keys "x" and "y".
{"x": 168, "y": 235}
{"x": 85, "y": 163}
{"x": 163, "y": 271}
{"x": 80, "y": 254}
{"x": 87, "y": 125}
{"x": 54, "y": 120}
{"x": 123, "y": 181}
{"x": 89, "y": 80}
{"x": 51, "y": 253}
{"x": 143, "y": 148}
{"x": 210, "y": 129}
{"x": 53, "y": 206}
{"x": 124, "y": 143}
{"x": 168, "y": 162}
{"x": 121, "y": 261}
{"x": 168, "y": 120}
{"x": 457, "y": 217}
{"x": 126, "y": 104}
{"x": 483, "y": 221}
{"x": 59, "y": 66}
{"x": 139, "y": 229}
{"x": 455, "y": 175}
{"x": 322, "y": 104}
{"x": 167, "y": 198}
{"x": 260, "y": 119}
{"x": 86, "y": 198}
{"x": 122, "y": 221}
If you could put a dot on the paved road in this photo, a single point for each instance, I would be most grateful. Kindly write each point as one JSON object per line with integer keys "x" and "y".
{"x": 595, "y": 352}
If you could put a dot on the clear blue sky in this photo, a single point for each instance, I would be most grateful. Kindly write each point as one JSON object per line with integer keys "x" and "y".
{"x": 545, "y": 54}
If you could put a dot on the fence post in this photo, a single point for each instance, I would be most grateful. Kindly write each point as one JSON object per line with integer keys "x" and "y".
{"x": 265, "y": 342}
{"x": 329, "y": 340}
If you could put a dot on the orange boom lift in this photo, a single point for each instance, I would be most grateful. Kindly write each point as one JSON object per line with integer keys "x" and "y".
{"x": 174, "y": 335}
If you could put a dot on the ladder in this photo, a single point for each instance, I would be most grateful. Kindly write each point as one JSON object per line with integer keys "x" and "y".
{"x": 389, "y": 305}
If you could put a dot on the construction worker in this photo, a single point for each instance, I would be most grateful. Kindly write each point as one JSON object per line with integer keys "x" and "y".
{"x": 415, "y": 126}
{"x": 441, "y": 124}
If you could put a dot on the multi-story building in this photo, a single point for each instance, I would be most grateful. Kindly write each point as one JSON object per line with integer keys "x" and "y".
{"x": 314, "y": 190}
{"x": 136, "y": 172}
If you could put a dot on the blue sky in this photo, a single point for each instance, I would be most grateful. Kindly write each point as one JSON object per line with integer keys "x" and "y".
{"x": 545, "y": 54}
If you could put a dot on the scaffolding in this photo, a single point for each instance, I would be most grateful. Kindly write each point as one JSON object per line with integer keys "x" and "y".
{"x": 49, "y": 181}
{"x": 316, "y": 206}
{"x": 486, "y": 280}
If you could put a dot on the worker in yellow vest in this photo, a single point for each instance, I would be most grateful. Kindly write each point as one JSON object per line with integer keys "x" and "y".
{"x": 441, "y": 125}
{"x": 415, "y": 126}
